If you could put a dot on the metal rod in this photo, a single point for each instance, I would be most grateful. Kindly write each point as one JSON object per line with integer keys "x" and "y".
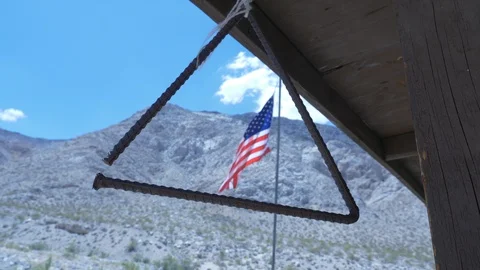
{"x": 102, "y": 181}
{"x": 274, "y": 244}
{"x": 141, "y": 123}
{"x": 354, "y": 212}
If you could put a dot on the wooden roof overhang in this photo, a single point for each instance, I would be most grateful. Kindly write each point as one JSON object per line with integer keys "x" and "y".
{"x": 345, "y": 59}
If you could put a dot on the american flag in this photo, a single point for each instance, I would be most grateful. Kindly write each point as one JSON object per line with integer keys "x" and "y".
{"x": 253, "y": 145}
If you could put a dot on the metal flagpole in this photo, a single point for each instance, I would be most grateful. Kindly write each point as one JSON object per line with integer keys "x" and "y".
{"x": 274, "y": 244}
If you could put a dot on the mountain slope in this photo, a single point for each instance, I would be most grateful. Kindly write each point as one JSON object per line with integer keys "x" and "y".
{"x": 16, "y": 145}
{"x": 47, "y": 198}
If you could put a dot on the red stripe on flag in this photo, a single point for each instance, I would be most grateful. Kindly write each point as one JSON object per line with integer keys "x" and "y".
{"x": 250, "y": 162}
{"x": 234, "y": 177}
{"x": 246, "y": 155}
{"x": 249, "y": 144}
{"x": 245, "y": 159}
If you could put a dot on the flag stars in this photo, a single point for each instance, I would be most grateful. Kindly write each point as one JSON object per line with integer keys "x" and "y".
{"x": 262, "y": 120}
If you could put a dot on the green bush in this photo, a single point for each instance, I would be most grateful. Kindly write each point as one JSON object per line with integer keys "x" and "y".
{"x": 71, "y": 250}
{"x": 38, "y": 246}
{"x": 157, "y": 264}
{"x": 44, "y": 266}
{"x": 171, "y": 263}
{"x": 130, "y": 266}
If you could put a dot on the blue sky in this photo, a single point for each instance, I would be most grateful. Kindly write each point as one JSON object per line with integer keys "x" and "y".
{"x": 72, "y": 67}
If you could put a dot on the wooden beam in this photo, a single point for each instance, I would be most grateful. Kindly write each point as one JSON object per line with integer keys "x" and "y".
{"x": 310, "y": 85}
{"x": 441, "y": 44}
{"x": 400, "y": 146}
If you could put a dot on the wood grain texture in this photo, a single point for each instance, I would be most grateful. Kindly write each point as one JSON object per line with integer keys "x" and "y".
{"x": 311, "y": 85}
{"x": 441, "y": 43}
{"x": 411, "y": 164}
{"x": 400, "y": 147}
{"x": 355, "y": 46}
{"x": 331, "y": 31}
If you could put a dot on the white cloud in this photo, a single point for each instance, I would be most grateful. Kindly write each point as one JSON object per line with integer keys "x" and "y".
{"x": 248, "y": 76}
{"x": 11, "y": 115}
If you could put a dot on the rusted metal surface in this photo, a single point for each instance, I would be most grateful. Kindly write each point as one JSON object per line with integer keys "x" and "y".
{"x": 102, "y": 181}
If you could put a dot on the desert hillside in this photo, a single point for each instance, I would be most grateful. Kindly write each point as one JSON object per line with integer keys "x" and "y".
{"x": 50, "y": 215}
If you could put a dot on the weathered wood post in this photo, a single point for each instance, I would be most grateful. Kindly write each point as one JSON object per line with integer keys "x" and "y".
{"x": 441, "y": 47}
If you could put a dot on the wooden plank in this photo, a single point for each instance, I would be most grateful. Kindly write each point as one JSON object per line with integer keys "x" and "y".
{"x": 375, "y": 89}
{"x": 310, "y": 85}
{"x": 413, "y": 166}
{"x": 441, "y": 43}
{"x": 377, "y": 96}
{"x": 366, "y": 72}
{"x": 400, "y": 146}
{"x": 330, "y": 31}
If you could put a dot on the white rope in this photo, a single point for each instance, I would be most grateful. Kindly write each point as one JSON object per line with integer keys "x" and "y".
{"x": 240, "y": 7}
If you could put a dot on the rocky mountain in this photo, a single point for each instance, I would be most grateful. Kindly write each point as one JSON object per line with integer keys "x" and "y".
{"x": 50, "y": 215}
{"x": 13, "y": 144}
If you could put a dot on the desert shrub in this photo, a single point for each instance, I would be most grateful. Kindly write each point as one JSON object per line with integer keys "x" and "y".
{"x": 130, "y": 266}
{"x": 38, "y": 246}
{"x": 44, "y": 266}
{"x": 171, "y": 263}
{"x": 132, "y": 246}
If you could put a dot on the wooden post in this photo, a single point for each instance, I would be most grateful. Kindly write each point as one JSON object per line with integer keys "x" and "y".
{"x": 441, "y": 47}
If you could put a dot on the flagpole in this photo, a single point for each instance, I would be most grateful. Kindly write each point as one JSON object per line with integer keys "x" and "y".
{"x": 274, "y": 244}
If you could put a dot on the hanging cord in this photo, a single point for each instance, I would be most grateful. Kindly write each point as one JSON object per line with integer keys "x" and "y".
{"x": 277, "y": 168}
{"x": 354, "y": 212}
{"x": 169, "y": 92}
{"x": 241, "y": 7}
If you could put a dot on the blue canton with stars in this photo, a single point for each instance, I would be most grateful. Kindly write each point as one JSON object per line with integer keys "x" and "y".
{"x": 262, "y": 120}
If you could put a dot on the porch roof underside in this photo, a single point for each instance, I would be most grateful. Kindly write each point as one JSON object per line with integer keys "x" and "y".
{"x": 345, "y": 59}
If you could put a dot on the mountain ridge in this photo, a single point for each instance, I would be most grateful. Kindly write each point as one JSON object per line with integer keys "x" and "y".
{"x": 16, "y": 145}
{"x": 51, "y": 188}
